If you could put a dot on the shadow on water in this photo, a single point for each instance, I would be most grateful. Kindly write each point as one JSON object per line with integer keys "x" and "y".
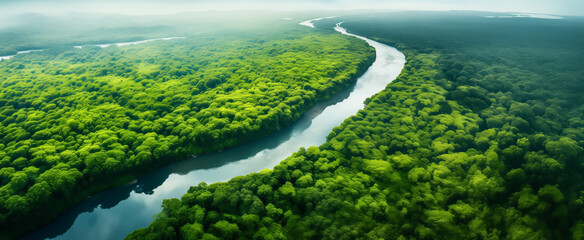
{"x": 147, "y": 182}
{"x": 115, "y": 213}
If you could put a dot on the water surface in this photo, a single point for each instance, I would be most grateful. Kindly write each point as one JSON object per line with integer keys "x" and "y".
{"x": 102, "y": 45}
{"x": 20, "y": 52}
{"x": 115, "y": 213}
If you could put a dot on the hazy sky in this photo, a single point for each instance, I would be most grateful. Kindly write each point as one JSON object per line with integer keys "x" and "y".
{"x": 562, "y": 7}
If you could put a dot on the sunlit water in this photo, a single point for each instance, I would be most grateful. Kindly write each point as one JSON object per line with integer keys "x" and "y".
{"x": 132, "y": 43}
{"x": 103, "y": 45}
{"x": 528, "y": 15}
{"x": 115, "y": 213}
{"x": 21, "y": 52}
{"x": 310, "y": 23}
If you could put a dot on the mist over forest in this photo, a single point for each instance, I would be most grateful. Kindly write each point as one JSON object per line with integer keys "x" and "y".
{"x": 198, "y": 120}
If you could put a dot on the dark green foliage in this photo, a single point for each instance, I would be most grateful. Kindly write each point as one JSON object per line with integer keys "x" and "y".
{"x": 73, "y": 121}
{"x": 440, "y": 154}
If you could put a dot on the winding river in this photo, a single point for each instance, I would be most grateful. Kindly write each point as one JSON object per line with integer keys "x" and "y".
{"x": 114, "y": 213}
{"x": 120, "y": 44}
{"x": 102, "y": 45}
{"x": 21, "y": 52}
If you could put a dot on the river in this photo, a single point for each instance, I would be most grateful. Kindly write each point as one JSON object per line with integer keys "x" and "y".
{"x": 21, "y": 52}
{"x": 102, "y": 45}
{"x": 114, "y": 213}
{"x": 120, "y": 44}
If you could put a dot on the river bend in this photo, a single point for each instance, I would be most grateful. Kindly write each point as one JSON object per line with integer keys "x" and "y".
{"x": 115, "y": 213}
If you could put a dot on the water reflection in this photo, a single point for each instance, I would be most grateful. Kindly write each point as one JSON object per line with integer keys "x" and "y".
{"x": 115, "y": 213}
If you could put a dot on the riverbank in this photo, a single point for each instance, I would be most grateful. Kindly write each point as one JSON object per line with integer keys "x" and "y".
{"x": 105, "y": 182}
{"x": 387, "y": 66}
{"x": 102, "y": 45}
{"x": 2, "y": 58}
{"x": 267, "y": 152}
{"x": 457, "y": 147}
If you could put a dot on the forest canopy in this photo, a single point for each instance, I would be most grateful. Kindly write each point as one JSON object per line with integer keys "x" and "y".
{"x": 74, "y": 120}
{"x": 480, "y": 137}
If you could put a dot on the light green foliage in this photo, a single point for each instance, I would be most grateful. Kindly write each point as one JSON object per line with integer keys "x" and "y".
{"x": 287, "y": 190}
{"x": 305, "y": 181}
{"x": 551, "y": 193}
{"x": 439, "y": 217}
{"x": 191, "y": 231}
{"x": 225, "y": 230}
{"x": 82, "y": 117}
{"x": 527, "y": 199}
{"x": 465, "y": 144}
{"x": 565, "y": 149}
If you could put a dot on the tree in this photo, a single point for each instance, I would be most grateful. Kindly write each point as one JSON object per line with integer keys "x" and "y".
{"x": 565, "y": 150}
{"x": 191, "y": 231}
{"x": 225, "y": 230}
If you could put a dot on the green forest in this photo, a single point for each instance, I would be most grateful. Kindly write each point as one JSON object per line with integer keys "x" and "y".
{"x": 480, "y": 137}
{"x": 36, "y": 31}
{"x": 76, "y": 121}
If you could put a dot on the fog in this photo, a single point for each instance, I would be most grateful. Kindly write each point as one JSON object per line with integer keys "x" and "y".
{"x": 39, "y": 24}
{"x": 560, "y": 7}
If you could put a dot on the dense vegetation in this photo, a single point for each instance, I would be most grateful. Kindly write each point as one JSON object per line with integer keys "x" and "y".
{"x": 481, "y": 137}
{"x": 35, "y": 31}
{"x": 75, "y": 120}
{"x": 28, "y": 31}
